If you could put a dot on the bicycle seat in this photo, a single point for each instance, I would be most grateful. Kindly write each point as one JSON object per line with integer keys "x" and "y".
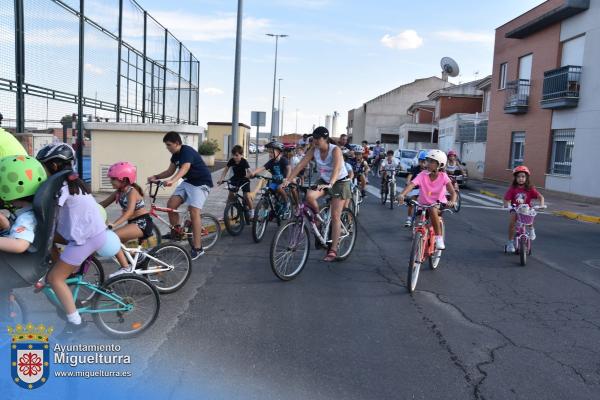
{"x": 23, "y": 270}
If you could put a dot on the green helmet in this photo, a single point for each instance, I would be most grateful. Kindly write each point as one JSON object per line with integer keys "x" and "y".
{"x": 20, "y": 176}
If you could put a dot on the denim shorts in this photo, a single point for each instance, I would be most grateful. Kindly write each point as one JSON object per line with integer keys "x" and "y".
{"x": 194, "y": 196}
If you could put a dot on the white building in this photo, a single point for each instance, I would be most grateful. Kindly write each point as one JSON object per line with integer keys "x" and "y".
{"x": 576, "y": 125}
{"x": 381, "y": 117}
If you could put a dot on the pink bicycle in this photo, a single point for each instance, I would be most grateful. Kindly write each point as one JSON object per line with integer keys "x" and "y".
{"x": 524, "y": 224}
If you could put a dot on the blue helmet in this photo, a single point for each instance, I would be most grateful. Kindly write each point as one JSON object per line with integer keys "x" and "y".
{"x": 422, "y": 155}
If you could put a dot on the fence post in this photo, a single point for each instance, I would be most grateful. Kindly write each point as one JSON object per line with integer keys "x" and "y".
{"x": 80, "y": 89}
{"x": 190, "y": 91}
{"x": 179, "y": 83}
{"x": 20, "y": 65}
{"x": 164, "y": 94}
{"x": 119, "y": 45}
{"x": 198, "y": 96}
{"x": 144, "y": 70}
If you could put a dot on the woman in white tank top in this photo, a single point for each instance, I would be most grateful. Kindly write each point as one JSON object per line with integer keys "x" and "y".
{"x": 333, "y": 177}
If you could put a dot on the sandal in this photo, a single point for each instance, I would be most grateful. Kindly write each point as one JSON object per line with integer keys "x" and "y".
{"x": 331, "y": 256}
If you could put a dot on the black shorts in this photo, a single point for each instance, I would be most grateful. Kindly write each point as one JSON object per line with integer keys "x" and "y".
{"x": 145, "y": 223}
{"x": 239, "y": 182}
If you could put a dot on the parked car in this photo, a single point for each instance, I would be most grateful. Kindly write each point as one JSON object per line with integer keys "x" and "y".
{"x": 261, "y": 148}
{"x": 407, "y": 158}
{"x": 252, "y": 148}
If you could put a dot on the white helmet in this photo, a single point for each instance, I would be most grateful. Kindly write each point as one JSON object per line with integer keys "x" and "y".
{"x": 438, "y": 156}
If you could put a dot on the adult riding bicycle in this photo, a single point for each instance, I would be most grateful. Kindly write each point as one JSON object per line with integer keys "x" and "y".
{"x": 211, "y": 228}
{"x": 292, "y": 240}
{"x": 423, "y": 244}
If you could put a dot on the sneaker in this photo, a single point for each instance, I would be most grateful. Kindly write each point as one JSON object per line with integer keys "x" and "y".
{"x": 196, "y": 253}
{"x": 531, "y": 231}
{"x": 70, "y": 330}
{"x": 439, "y": 243}
{"x": 408, "y": 222}
{"x": 510, "y": 247}
{"x": 121, "y": 271}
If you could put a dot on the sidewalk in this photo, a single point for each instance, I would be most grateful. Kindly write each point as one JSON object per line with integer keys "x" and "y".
{"x": 558, "y": 204}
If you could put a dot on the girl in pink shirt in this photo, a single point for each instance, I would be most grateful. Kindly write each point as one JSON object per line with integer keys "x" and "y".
{"x": 433, "y": 185}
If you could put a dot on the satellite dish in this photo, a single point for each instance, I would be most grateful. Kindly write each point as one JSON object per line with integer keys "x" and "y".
{"x": 449, "y": 66}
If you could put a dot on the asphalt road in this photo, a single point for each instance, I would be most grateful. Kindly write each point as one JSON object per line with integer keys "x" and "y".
{"x": 479, "y": 327}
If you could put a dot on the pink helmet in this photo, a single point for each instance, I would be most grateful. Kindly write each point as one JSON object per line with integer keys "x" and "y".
{"x": 451, "y": 153}
{"x": 122, "y": 170}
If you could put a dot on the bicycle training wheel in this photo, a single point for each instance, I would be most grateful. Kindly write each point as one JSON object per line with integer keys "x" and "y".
{"x": 523, "y": 250}
{"x": 132, "y": 307}
{"x": 261, "y": 220}
{"x": 414, "y": 265}
{"x": 347, "y": 234}
{"x": 211, "y": 231}
{"x": 289, "y": 250}
{"x": 434, "y": 259}
{"x": 233, "y": 217}
{"x": 174, "y": 256}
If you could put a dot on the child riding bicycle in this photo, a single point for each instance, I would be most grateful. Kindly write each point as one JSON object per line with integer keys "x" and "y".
{"x": 414, "y": 171}
{"x": 279, "y": 168}
{"x": 130, "y": 197}
{"x": 241, "y": 170}
{"x": 388, "y": 166}
{"x": 433, "y": 185}
{"x": 521, "y": 191}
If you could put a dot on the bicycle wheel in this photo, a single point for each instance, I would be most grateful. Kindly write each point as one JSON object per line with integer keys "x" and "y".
{"x": 458, "y": 203}
{"x": 434, "y": 259}
{"x": 384, "y": 193}
{"x": 94, "y": 274}
{"x": 347, "y": 234}
{"x": 289, "y": 250}
{"x": 357, "y": 201}
{"x": 127, "y": 306}
{"x": 211, "y": 231}
{"x": 392, "y": 194}
{"x": 352, "y": 206}
{"x": 174, "y": 256}
{"x": 17, "y": 310}
{"x": 523, "y": 249}
{"x": 233, "y": 217}
{"x": 261, "y": 220}
{"x": 414, "y": 265}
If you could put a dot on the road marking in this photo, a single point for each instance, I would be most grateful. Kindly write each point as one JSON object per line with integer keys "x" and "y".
{"x": 483, "y": 207}
{"x": 373, "y": 191}
{"x": 478, "y": 201}
{"x": 484, "y": 197}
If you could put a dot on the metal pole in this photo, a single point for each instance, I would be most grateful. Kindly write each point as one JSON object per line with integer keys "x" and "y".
{"x": 279, "y": 108}
{"x": 274, "y": 81}
{"x": 190, "y": 92}
{"x": 282, "y": 107}
{"x": 256, "y": 153}
{"x": 165, "y": 77}
{"x": 20, "y": 65}
{"x": 179, "y": 83}
{"x": 80, "y": 89}
{"x": 235, "y": 121}
{"x": 144, "y": 68}
{"x": 119, "y": 45}
{"x": 296, "y": 121}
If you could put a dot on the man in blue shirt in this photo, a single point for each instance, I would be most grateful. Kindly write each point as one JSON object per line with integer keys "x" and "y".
{"x": 186, "y": 163}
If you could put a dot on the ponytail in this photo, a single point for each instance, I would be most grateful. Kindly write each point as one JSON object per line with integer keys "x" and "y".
{"x": 138, "y": 188}
{"x": 76, "y": 185}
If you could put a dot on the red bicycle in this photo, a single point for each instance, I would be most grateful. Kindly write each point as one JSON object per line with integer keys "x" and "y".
{"x": 211, "y": 227}
{"x": 423, "y": 244}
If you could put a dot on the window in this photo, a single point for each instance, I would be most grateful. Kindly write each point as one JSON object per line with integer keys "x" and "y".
{"x": 517, "y": 149}
{"x": 563, "y": 141}
{"x": 503, "y": 72}
{"x": 525, "y": 63}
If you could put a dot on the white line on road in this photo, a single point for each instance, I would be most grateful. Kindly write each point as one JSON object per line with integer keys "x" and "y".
{"x": 478, "y": 201}
{"x": 484, "y": 197}
{"x": 483, "y": 207}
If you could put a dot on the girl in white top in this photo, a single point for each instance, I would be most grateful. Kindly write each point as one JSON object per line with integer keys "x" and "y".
{"x": 334, "y": 177}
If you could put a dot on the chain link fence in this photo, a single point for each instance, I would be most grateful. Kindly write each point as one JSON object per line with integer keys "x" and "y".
{"x": 102, "y": 60}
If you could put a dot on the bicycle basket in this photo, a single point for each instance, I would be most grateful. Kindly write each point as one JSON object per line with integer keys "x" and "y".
{"x": 526, "y": 216}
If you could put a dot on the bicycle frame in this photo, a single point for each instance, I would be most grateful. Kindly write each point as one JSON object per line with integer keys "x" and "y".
{"x": 133, "y": 256}
{"x": 423, "y": 226}
{"x": 304, "y": 211}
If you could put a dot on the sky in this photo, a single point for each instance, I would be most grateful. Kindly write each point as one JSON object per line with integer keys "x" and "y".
{"x": 339, "y": 54}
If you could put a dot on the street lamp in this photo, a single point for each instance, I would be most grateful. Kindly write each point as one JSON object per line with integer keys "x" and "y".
{"x": 279, "y": 107}
{"x": 276, "y": 36}
{"x": 282, "y": 107}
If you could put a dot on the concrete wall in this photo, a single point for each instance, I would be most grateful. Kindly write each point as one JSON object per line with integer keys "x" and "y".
{"x": 454, "y": 105}
{"x": 33, "y": 142}
{"x": 585, "y": 117}
{"x": 140, "y": 144}
{"x": 473, "y": 154}
{"x": 536, "y": 123}
{"x": 220, "y": 132}
{"x": 390, "y": 109}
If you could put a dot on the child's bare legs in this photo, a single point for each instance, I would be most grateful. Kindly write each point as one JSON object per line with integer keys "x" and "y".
{"x": 282, "y": 194}
{"x": 56, "y": 277}
{"x": 511, "y": 226}
{"x": 248, "y": 200}
{"x": 434, "y": 215}
{"x": 125, "y": 234}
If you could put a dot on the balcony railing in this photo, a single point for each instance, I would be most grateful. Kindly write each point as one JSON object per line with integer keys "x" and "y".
{"x": 561, "y": 87}
{"x": 517, "y": 96}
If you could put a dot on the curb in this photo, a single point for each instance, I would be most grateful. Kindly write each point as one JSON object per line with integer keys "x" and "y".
{"x": 490, "y": 194}
{"x": 578, "y": 217}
